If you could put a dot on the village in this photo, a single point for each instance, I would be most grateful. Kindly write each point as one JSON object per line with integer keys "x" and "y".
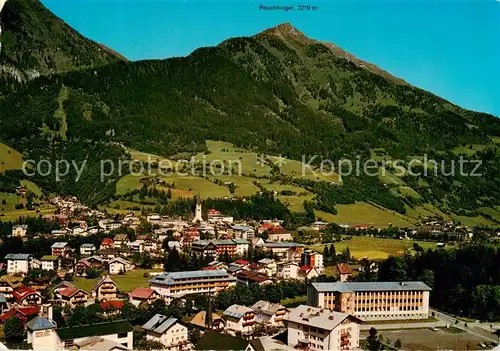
{"x": 166, "y": 271}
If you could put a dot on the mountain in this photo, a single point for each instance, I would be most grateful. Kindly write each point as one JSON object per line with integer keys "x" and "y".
{"x": 277, "y": 92}
{"x": 36, "y": 42}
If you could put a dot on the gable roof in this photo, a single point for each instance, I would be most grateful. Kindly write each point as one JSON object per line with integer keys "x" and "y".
{"x": 199, "y": 319}
{"x": 318, "y": 317}
{"x": 40, "y": 323}
{"x": 49, "y": 258}
{"x": 22, "y": 292}
{"x": 96, "y": 329}
{"x": 237, "y": 311}
{"x": 70, "y": 291}
{"x": 105, "y": 279}
{"x": 120, "y": 237}
{"x": 141, "y": 293}
{"x": 114, "y": 304}
{"x": 24, "y": 311}
{"x": 267, "y": 307}
{"x": 344, "y": 268}
{"x": 159, "y": 323}
{"x": 59, "y": 245}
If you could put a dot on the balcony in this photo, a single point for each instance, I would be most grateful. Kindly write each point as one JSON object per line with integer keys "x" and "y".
{"x": 246, "y": 324}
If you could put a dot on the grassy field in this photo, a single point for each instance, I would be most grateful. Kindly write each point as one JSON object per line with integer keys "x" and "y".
{"x": 15, "y": 214}
{"x": 294, "y": 302}
{"x": 32, "y": 187}
{"x": 11, "y": 200}
{"x": 126, "y": 283}
{"x": 213, "y": 340}
{"x": 362, "y": 213}
{"x": 10, "y": 158}
{"x": 374, "y": 248}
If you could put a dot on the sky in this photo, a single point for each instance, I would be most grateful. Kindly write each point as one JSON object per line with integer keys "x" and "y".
{"x": 449, "y": 47}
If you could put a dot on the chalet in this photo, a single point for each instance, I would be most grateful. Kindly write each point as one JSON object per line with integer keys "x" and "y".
{"x": 7, "y": 287}
{"x": 149, "y": 243}
{"x": 215, "y": 248}
{"x": 269, "y": 266}
{"x": 143, "y": 295}
{"x": 278, "y": 234}
{"x": 288, "y": 270}
{"x": 271, "y": 314}
{"x": 50, "y": 263}
{"x": 20, "y": 231}
{"x": 199, "y": 321}
{"x": 81, "y": 267}
{"x": 18, "y": 263}
{"x": 106, "y": 243}
{"x": 61, "y": 286}
{"x": 22, "y": 312}
{"x": 25, "y": 296}
{"x": 308, "y": 273}
{"x": 243, "y": 232}
{"x": 87, "y": 249}
{"x": 111, "y": 307}
{"x": 311, "y": 258}
{"x": 285, "y": 249}
{"x": 73, "y": 297}
{"x": 106, "y": 289}
{"x": 119, "y": 266}
{"x": 240, "y": 319}
{"x": 344, "y": 271}
{"x": 168, "y": 331}
{"x": 61, "y": 249}
{"x": 136, "y": 246}
{"x": 249, "y": 278}
{"x": 120, "y": 240}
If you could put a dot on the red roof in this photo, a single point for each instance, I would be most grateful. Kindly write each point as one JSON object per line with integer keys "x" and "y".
{"x": 22, "y": 311}
{"x": 141, "y": 293}
{"x": 22, "y": 292}
{"x": 241, "y": 262}
{"x": 106, "y": 305}
{"x": 267, "y": 226}
{"x": 210, "y": 268}
{"x": 68, "y": 292}
{"x": 305, "y": 269}
{"x": 107, "y": 241}
{"x": 213, "y": 211}
{"x": 278, "y": 230}
{"x": 344, "y": 268}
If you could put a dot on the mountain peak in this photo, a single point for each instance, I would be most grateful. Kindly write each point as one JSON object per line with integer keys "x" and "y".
{"x": 285, "y": 30}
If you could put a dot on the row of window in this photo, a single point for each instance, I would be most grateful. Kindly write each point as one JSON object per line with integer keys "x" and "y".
{"x": 377, "y": 301}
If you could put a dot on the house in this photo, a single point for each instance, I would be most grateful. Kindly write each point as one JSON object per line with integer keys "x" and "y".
{"x": 311, "y": 258}
{"x": 168, "y": 331}
{"x": 215, "y": 248}
{"x": 61, "y": 286}
{"x": 3, "y": 303}
{"x": 106, "y": 289}
{"x": 269, "y": 266}
{"x": 278, "y": 234}
{"x": 119, "y": 266}
{"x": 81, "y": 267}
{"x": 25, "y": 296}
{"x": 20, "y": 231}
{"x": 344, "y": 270}
{"x": 43, "y": 333}
{"x": 87, "y": 249}
{"x": 240, "y": 319}
{"x": 111, "y": 307}
{"x": 61, "y": 249}
{"x": 248, "y": 278}
{"x": 143, "y": 295}
{"x": 285, "y": 249}
{"x": 243, "y": 232}
{"x": 257, "y": 242}
{"x": 50, "y": 263}
{"x": 267, "y": 343}
{"x": 308, "y": 273}
{"x": 199, "y": 321}
{"x": 288, "y": 270}
{"x": 322, "y": 329}
{"x": 271, "y": 314}
{"x": 106, "y": 243}
{"x": 21, "y": 312}
{"x": 136, "y": 246}
{"x": 18, "y": 263}
{"x": 72, "y": 296}
{"x": 149, "y": 244}
{"x": 120, "y": 240}
{"x": 7, "y": 287}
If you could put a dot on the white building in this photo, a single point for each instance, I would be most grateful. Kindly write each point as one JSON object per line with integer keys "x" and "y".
{"x": 49, "y": 263}
{"x": 119, "y": 266}
{"x": 271, "y": 314}
{"x": 311, "y": 258}
{"x": 240, "y": 319}
{"x": 269, "y": 266}
{"x": 168, "y": 331}
{"x": 18, "y": 263}
{"x": 43, "y": 334}
{"x": 322, "y": 329}
{"x": 20, "y": 230}
{"x": 288, "y": 270}
{"x": 87, "y": 249}
{"x": 243, "y": 232}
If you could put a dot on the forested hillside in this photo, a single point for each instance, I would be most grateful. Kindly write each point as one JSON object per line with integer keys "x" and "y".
{"x": 278, "y": 92}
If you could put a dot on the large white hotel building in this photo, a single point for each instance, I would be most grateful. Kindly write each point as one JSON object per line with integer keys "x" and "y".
{"x": 373, "y": 300}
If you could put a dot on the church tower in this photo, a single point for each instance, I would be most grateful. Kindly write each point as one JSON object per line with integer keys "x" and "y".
{"x": 197, "y": 212}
